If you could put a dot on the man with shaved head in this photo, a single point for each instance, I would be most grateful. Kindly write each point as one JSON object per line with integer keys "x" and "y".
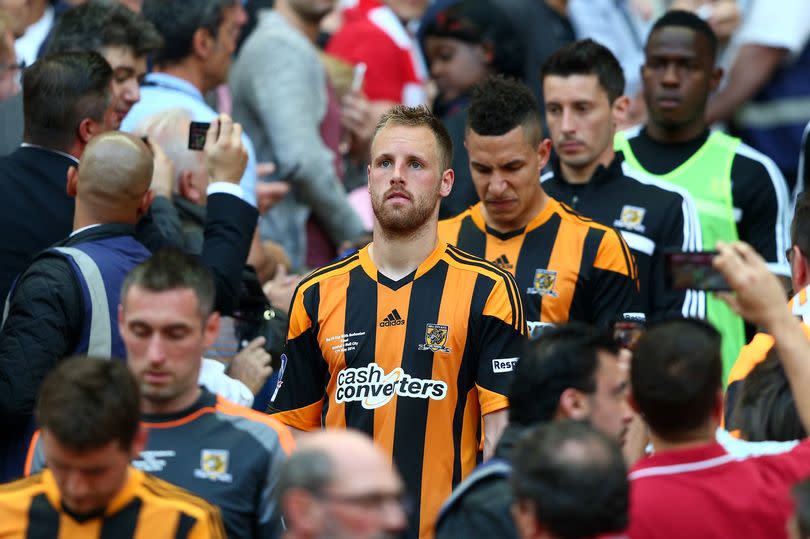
{"x": 339, "y": 484}
{"x": 65, "y": 302}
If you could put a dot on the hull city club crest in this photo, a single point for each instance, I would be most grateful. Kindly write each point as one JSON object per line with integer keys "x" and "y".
{"x": 631, "y": 218}
{"x": 544, "y": 282}
{"x": 435, "y": 338}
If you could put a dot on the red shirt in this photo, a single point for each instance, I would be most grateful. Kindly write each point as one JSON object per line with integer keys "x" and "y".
{"x": 706, "y": 493}
{"x": 395, "y": 69}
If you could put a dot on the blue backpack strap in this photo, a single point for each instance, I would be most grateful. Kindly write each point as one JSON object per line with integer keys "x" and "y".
{"x": 493, "y": 468}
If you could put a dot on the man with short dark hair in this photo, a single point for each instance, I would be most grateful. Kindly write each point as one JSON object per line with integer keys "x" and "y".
{"x": 567, "y": 267}
{"x": 122, "y": 37}
{"x": 409, "y": 340}
{"x": 739, "y": 192}
{"x": 569, "y": 481}
{"x": 690, "y": 486}
{"x": 199, "y": 39}
{"x": 583, "y": 87}
{"x": 339, "y": 484}
{"x": 89, "y": 414}
{"x": 571, "y": 373}
{"x": 66, "y": 98}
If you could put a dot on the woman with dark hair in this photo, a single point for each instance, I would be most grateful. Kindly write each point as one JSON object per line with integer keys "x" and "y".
{"x": 465, "y": 43}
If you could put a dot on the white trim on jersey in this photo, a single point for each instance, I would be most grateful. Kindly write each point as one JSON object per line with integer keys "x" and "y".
{"x": 682, "y": 468}
{"x": 780, "y": 266}
{"x": 802, "y": 163}
{"x": 694, "y": 304}
{"x": 638, "y": 242}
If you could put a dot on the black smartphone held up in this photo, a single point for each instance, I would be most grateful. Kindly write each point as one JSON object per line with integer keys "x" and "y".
{"x": 196, "y": 135}
{"x": 627, "y": 331}
{"x": 695, "y": 271}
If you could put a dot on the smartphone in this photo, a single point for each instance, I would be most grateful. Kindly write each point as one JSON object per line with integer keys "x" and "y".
{"x": 627, "y": 332}
{"x": 694, "y": 270}
{"x": 196, "y": 135}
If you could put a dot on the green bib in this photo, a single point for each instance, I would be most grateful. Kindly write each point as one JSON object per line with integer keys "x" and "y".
{"x": 707, "y": 177}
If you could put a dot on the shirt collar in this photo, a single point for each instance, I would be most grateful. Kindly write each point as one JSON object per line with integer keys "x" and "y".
{"x": 170, "y": 82}
{"x": 678, "y": 460}
{"x": 58, "y": 152}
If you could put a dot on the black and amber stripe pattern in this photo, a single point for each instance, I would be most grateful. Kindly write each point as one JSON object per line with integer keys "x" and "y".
{"x": 145, "y": 507}
{"x": 567, "y": 267}
{"x": 409, "y": 362}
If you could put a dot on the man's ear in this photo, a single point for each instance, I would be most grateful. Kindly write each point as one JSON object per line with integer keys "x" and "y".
{"x": 212, "y": 329}
{"x": 187, "y": 189}
{"x": 717, "y": 76}
{"x": 139, "y": 442}
{"x": 146, "y": 201}
{"x": 202, "y": 43}
{"x": 88, "y": 128}
{"x": 448, "y": 177}
{"x": 574, "y": 404}
{"x": 72, "y": 187}
{"x": 544, "y": 152}
{"x": 620, "y": 109}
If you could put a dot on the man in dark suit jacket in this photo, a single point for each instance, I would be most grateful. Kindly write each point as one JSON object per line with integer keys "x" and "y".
{"x": 65, "y": 101}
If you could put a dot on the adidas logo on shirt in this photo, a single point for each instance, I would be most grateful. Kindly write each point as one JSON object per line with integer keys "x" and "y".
{"x": 503, "y": 263}
{"x": 393, "y": 319}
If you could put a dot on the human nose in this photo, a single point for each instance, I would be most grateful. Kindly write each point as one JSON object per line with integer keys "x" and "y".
{"x": 497, "y": 184}
{"x": 155, "y": 349}
{"x": 76, "y": 485}
{"x": 671, "y": 77}
{"x": 567, "y": 121}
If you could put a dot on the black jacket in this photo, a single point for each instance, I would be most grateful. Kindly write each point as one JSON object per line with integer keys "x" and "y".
{"x": 651, "y": 216}
{"x": 483, "y": 511}
{"x": 46, "y": 311}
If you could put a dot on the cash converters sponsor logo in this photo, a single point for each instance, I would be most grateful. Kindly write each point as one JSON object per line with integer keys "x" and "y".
{"x": 372, "y": 387}
{"x": 393, "y": 319}
{"x": 506, "y": 364}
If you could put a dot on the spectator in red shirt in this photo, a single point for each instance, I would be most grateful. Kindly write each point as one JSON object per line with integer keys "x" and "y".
{"x": 690, "y": 486}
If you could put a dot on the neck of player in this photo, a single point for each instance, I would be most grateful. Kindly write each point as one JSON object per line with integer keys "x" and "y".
{"x": 580, "y": 175}
{"x": 398, "y": 256}
{"x": 701, "y": 436}
{"x": 171, "y": 406}
{"x": 676, "y": 134}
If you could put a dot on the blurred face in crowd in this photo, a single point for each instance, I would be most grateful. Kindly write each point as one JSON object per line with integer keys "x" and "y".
{"x": 225, "y": 42}
{"x": 364, "y": 500}
{"x": 312, "y": 11}
{"x": 18, "y": 11}
{"x": 89, "y": 479}
{"x": 506, "y": 174}
{"x": 407, "y": 10}
{"x": 165, "y": 336}
{"x": 678, "y": 76}
{"x": 128, "y": 73}
{"x": 9, "y": 69}
{"x": 405, "y": 179}
{"x": 456, "y": 65}
{"x": 609, "y": 410}
{"x": 580, "y": 118}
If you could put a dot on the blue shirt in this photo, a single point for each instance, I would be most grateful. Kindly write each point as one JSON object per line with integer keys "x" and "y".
{"x": 162, "y": 92}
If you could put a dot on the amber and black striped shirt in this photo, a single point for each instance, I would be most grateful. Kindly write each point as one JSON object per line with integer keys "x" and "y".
{"x": 568, "y": 267}
{"x": 415, "y": 363}
{"x": 145, "y": 508}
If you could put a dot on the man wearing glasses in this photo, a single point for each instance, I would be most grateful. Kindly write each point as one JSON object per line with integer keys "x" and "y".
{"x": 340, "y": 482}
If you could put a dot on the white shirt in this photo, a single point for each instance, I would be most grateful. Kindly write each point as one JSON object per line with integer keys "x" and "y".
{"x": 27, "y": 46}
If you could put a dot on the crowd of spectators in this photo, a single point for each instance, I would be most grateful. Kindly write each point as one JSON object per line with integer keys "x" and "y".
{"x": 405, "y": 268}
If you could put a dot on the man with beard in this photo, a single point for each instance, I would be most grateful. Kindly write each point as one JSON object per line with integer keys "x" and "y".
{"x": 409, "y": 340}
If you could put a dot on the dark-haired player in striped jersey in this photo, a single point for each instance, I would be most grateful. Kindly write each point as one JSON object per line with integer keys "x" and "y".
{"x": 409, "y": 340}
{"x": 567, "y": 267}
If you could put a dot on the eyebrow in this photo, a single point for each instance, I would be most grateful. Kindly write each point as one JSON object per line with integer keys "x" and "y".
{"x": 618, "y": 390}
{"x": 410, "y": 156}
